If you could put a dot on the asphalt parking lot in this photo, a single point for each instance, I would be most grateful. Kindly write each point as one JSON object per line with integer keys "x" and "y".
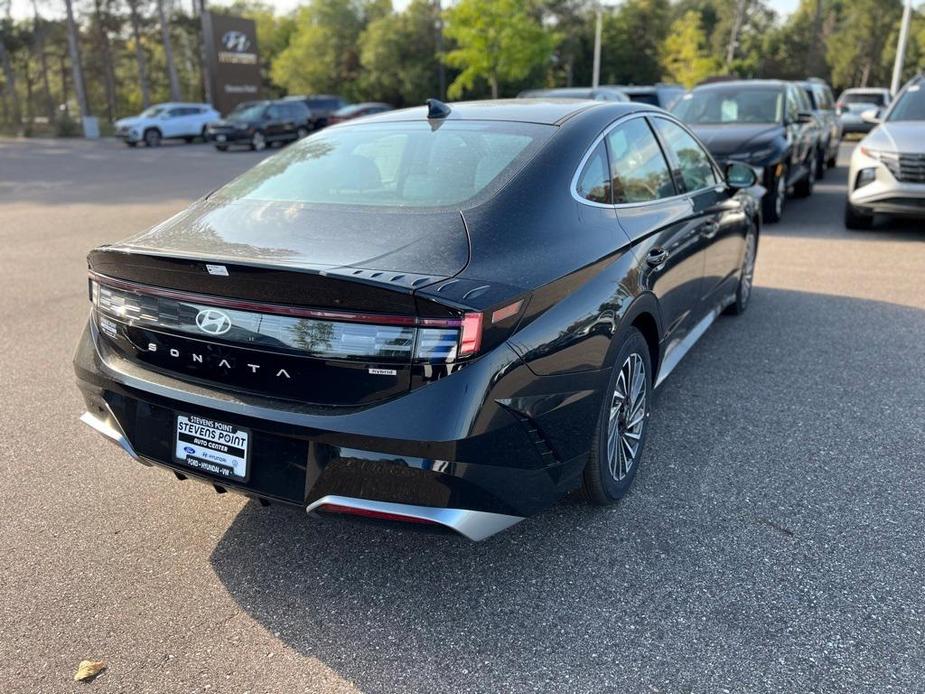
{"x": 774, "y": 541}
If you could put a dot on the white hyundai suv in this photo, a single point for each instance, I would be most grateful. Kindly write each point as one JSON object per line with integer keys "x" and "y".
{"x": 887, "y": 174}
{"x": 166, "y": 121}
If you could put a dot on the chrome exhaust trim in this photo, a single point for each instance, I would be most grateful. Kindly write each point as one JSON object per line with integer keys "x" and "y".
{"x": 474, "y": 525}
{"x": 109, "y": 428}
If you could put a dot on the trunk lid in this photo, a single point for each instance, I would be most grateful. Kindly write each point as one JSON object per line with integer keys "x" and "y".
{"x": 284, "y": 300}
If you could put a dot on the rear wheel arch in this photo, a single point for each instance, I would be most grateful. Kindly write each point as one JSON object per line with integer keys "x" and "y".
{"x": 644, "y": 315}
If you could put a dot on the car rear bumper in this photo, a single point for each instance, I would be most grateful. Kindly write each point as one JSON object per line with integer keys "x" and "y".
{"x": 396, "y": 459}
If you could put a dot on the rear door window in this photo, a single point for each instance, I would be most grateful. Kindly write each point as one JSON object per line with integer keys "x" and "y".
{"x": 697, "y": 171}
{"x": 638, "y": 170}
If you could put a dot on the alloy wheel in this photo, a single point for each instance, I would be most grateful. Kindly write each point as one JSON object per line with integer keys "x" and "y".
{"x": 748, "y": 266}
{"x": 780, "y": 195}
{"x": 258, "y": 142}
{"x": 627, "y": 417}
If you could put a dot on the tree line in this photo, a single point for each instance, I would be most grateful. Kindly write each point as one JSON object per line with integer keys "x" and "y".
{"x": 133, "y": 53}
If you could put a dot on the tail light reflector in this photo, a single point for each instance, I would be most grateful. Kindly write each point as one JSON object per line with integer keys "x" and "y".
{"x": 470, "y": 340}
{"x": 379, "y": 515}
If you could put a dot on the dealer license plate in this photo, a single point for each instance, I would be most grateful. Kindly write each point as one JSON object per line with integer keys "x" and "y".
{"x": 213, "y": 447}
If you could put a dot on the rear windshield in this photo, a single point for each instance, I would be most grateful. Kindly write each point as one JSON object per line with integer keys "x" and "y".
{"x": 875, "y": 98}
{"x": 393, "y": 164}
{"x": 733, "y": 105}
{"x": 911, "y": 105}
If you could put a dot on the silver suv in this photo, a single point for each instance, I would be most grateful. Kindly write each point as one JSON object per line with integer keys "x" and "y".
{"x": 887, "y": 174}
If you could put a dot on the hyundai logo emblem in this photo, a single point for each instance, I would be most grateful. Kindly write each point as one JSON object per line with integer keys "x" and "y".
{"x": 236, "y": 41}
{"x": 213, "y": 321}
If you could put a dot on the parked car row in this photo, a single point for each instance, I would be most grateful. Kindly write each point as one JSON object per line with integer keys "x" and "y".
{"x": 768, "y": 124}
{"x": 255, "y": 124}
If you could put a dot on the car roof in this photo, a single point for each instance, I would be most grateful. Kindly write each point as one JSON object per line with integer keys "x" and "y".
{"x": 642, "y": 88}
{"x": 545, "y": 110}
{"x": 741, "y": 84}
{"x": 866, "y": 90}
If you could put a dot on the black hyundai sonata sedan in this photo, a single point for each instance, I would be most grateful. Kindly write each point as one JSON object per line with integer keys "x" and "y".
{"x": 450, "y": 315}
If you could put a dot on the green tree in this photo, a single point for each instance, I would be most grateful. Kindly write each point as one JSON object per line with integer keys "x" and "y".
{"x": 856, "y": 50}
{"x": 322, "y": 54}
{"x": 633, "y": 36}
{"x": 398, "y": 54}
{"x": 498, "y": 41}
{"x": 685, "y": 55}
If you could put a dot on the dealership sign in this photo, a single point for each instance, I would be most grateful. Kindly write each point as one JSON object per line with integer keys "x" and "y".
{"x": 233, "y": 73}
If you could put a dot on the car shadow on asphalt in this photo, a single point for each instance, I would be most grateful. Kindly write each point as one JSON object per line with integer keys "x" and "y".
{"x": 744, "y": 522}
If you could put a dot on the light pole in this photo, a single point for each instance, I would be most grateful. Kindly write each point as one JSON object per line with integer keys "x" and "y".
{"x": 901, "y": 48}
{"x": 598, "y": 25}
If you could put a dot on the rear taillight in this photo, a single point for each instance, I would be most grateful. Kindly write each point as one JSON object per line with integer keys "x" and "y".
{"x": 470, "y": 338}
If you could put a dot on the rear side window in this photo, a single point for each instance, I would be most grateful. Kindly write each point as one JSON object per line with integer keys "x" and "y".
{"x": 690, "y": 158}
{"x": 638, "y": 170}
{"x": 594, "y": 180}
{"x": 811, "y": 97}
{"x": 393, "y": 164}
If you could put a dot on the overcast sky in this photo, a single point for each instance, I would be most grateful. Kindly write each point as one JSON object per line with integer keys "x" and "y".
{"x": 23, "y": 8}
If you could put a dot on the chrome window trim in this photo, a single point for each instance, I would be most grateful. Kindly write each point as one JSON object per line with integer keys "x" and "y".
{"x": 624, "y": 205}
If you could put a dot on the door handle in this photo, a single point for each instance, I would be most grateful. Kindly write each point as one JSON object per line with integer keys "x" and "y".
{"x": 657, "y": 256}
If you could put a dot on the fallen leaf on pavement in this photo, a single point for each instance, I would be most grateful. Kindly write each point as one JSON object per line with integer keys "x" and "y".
{"x": 88, "y": 669}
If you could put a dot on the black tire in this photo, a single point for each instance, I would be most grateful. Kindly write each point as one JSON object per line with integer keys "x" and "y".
{"x": 152, "y": 137}
{"x": 772, "y": 204}
{"x": 221, "y": 148}
{"x": 746, "y": 274}
{"x": 820, "y": 164}
{"x": 832, "y": 161}
{"x": 600, "y": 484}
{"x": 804, "y": 187}
{"x": 856, "y": 219}
{"x": 189, "y": 140}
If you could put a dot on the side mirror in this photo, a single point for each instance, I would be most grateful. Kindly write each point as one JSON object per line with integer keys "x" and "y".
{"x": 871, "y": 116}
{"x": 740, "y": 176}
{"x": 804, "y": 117}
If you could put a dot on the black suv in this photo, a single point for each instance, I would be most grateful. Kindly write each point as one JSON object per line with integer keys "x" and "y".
{"x": 762, "y": 123}
{"x": 322, "y": 106}
{"x": 258, "y": 124}
{"x": 823, "y": 106}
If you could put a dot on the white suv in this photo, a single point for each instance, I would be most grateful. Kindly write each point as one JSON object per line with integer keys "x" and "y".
{"x": 887, "y": 173}
{"x": 166, "y": 121}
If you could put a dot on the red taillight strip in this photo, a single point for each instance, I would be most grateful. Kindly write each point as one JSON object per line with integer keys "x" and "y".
{"x": 368, "y": 513}
{"x": 276, "y": 309}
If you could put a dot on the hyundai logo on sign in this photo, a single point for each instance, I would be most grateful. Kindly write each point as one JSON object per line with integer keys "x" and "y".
{"x": 236, "y": 41}
{"x": 213, "y": 321}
